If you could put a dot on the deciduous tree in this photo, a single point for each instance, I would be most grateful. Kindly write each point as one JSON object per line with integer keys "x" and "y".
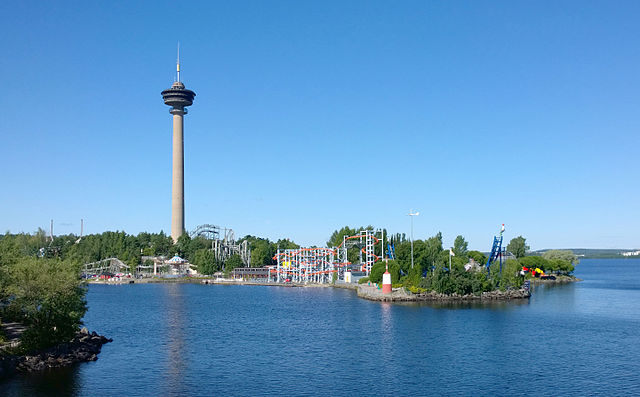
{"x": 518, "y": 246}
{"x": 460, "y": 246}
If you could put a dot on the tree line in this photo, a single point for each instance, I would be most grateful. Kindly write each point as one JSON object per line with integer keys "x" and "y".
{"x": 131, "y": 248}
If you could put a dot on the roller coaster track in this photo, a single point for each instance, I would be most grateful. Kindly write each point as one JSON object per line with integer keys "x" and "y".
{"x": 223, "y": 242}
{"x": 312, "y": 264}
{"x": 370, "y": 256}
{"x": 213, "y": 232}
{"x": 109, "y": 265}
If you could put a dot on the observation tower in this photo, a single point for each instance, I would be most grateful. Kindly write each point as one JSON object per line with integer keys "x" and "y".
{"x": 178, "y": 98}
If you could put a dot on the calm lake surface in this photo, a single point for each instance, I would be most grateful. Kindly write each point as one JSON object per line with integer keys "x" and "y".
{"x": 187, "y": 339}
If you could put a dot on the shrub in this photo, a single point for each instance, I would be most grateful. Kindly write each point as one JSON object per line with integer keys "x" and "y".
{"x": 416, "y": 290}
{"x": 363, "y": 280}
{"x": 47, "y": 296}
{"x": 378, "y": 270}
{"x": 458, "y": 281}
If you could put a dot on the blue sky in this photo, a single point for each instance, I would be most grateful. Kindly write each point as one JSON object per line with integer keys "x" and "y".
{"x": 314, "y": 115}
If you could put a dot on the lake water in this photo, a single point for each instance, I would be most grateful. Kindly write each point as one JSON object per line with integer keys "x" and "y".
{"x": 188, "y": 339}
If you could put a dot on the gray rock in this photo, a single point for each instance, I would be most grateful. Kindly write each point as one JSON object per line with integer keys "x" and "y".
{"x": 83, "y": 347}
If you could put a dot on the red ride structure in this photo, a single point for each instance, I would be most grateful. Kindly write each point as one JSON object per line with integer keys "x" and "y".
{"x": 317, "y": 265}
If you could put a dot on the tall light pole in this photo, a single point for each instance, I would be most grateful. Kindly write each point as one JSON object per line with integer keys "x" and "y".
{"x": 411, "y": 215}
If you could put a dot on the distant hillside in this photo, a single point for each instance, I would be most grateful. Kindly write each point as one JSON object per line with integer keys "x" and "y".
{"x": 594, "y": 253}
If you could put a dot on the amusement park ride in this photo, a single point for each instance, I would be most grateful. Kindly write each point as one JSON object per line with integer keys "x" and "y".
{"x": 317, "y": 265}
{"x": 223, "y": 242}
{"x": 497, "y": 252}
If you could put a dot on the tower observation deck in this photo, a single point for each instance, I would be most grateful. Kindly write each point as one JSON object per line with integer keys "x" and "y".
{"x": 178, "y": 97}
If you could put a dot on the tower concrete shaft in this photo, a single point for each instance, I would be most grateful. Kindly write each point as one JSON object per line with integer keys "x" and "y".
{"x": 178, "y": 98}
{"x": 177, "y": 181}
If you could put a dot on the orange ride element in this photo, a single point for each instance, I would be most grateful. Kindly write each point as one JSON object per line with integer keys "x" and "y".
{"x": 290, "y": 264}
{"x": 327, "y": 251}
{"x": 375, "y": 241}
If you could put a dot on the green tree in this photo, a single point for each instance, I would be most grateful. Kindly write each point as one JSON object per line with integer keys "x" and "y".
{"x": 533, "y": 262}
{"x": 233, "y": 262}
{"x": 426, "y": 253}
{"x": 478, "y": 256}
{"x": 565, "y": 255}
{"x": 9, "y": 256}
{"x": 182, "y": 246}
{"x": 518, "y": 247}
{"x": 433, "y": 249}
{"x": 160, "y": 243}
{"x": 337, "y": 239}
{"x": 403, "y": 254}
{"x": 205, "y": 260}
{"x": 460, "y": 247}
{"x": 560, "y": 261}
{"x": 286, "y": 244}
{"x": 47, "y": 295}
{"x": 262, "y": 253}
{"x": 510, "y": 277}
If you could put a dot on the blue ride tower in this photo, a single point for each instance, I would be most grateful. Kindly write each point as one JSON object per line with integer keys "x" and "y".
{"x": 497, "y": 252}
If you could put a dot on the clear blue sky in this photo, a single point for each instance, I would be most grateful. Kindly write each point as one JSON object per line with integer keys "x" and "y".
{"x": 314, "y": 115}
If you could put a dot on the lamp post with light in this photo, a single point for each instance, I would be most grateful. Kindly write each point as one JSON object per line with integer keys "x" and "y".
{"x": 412, "y": 214}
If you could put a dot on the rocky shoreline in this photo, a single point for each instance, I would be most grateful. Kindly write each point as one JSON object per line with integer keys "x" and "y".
{"x": 83, "y": 347}
{"x": 401, "y": 295}
{"x": 557, "y": 280}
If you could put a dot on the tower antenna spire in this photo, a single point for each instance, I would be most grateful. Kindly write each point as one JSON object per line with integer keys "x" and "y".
{"x": 178, "y": 63}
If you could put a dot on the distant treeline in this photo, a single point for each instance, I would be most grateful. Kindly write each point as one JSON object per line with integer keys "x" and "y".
{"x": 592, "y": 253}
{"x": 130, "y": 248}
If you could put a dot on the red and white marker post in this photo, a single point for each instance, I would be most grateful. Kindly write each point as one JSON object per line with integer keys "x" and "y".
{"x": 386, "y": 280}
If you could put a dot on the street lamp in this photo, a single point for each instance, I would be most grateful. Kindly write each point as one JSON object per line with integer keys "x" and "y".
{"x": 412, "y": 214}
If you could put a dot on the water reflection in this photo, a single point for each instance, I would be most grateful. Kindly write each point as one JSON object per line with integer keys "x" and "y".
{"x": 497, "y": 304}
{"x": 175, "y": 319}
{"x": 55, "y": 382}
{"x": 549, "y": 286}
{"x": 385, "y": 311}
{"x": 385, "y": 340}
